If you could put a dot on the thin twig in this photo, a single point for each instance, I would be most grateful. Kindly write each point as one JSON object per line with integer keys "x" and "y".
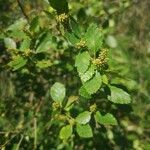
{"x": 19, "y": 142}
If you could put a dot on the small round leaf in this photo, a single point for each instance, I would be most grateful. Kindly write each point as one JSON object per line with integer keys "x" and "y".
{"x": 58, "y": 92}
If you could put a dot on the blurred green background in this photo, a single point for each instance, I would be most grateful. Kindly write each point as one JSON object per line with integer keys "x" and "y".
{"x": 127, "y": 33}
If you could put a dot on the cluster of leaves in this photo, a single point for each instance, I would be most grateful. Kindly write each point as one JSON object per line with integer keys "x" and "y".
{"x": 89, "y": 44}
{"x": 83, "y": 93}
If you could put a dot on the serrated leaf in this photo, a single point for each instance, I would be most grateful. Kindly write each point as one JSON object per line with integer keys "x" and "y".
{"x": 84, "y": 93}
{"x": 93, "y": 85}
{"x": 82, "y": 62}
{"x": 25, "y": 45}
{"x": 58, "y": 92}
{"x": 119, "y": 96}
{"x": 18, "y": 34}
{"x": 17, "y": 25}
{"x": 83, "y": 117}
{"x": 107, "y": 119}
{"x": 71, "y": 38}
{"x": 45, "y": 43}
{"x": 59, "y": 6}
{"x": 17, "y": 63}
{"x": 76, "y": 29}
{"x": 84, "y": 131}
{"x": 65, "y": 132}
{"x": 105, "y": 79}
{"x": 9, "y": 43}
{"x": 88, "y": 74}
{"x": 93, "y": 38}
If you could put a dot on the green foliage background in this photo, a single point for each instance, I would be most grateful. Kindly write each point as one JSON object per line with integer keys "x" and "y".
{"x": 25, "y": 102}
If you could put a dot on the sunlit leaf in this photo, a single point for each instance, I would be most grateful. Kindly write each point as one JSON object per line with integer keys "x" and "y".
{"x": 65, "y": 132}
{"x": 84, "y": 131}
{"x": 9, "y": 43}
{"x": 94, "y": 39}
{"x": 107, "y": 119}
{"x": 93, "y": 85}
{"x": 83, "y": 117}
{"x": 58, "y": 92}
{"x": 17, "y": 63}
{"x": 82, "y": 62}
{"x": 119, "y": 96}
{"x": 25, "y": 45}
{"x": 88, "y": 74}
{"x": 44, "y": 44}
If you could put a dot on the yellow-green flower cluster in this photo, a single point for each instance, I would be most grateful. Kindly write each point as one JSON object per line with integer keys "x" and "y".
{"x": 60, "y": 117}
{"x": 62, "y": 17}
{"x": 27, "y": 53}
{"x": 55, "y": 106}
{"x": 93, "y": 108}
{"x": 102, "y": 59}
{"x": 81, "y": 44}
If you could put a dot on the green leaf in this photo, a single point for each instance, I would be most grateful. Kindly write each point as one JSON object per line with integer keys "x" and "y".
{"x": 65, "y": 132}
{"x": 94, "y": 39}
{"x": 9, "y": 43}
{"x": 71, "y": 38}
{"x": 61, "y": 6}
{"x": 34, "y": 25}
{"x": 84, "y": 117}
{"x": 18, "y": 25}
{"x": 107, "y": 119}
{"x": 43, "y": 64}
{"x": 88, "y": 74}
{"x": 84, "y": 93}
{"x": 119, "y": 96}
{"x": 17, "y": 63}
{"x": 45, "y": 43}
{"x": 70, "y": 102}
{"x": 82, "y": 62}
{"x": 105, "y": 79}
{"x": 25, "y": 45}
{"x": 84, "y": 131}
{"x": 93, "y": 85}
{"x": 58, "y": 92}
{"x": 18, "y": 34}
{"x": 76, "y": 29}
{"x": 16, "y": 29}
